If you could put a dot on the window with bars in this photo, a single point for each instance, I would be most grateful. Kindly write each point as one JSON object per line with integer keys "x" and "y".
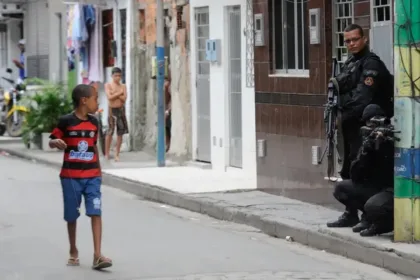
{"x": 381, "y": 10}
{"x": 343, "y": 16}
{"x": 290, "y": 36}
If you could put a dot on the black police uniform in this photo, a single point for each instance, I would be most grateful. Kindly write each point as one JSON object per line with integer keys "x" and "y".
{"x": 370, "y": 188}
{"x": 364, "y": 80}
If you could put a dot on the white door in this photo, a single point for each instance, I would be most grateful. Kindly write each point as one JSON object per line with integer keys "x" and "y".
{"x": 202, "y": 30}
{"x": 235, "y": 85}
{"x": 381, "y": 41}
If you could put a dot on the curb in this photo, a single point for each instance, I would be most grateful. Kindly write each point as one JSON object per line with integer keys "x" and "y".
{"x": 323, "y": 239}
{"x": 10, "y": 141}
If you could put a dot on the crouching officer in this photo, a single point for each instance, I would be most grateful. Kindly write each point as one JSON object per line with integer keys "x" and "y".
{"x": 364, "y": 80}
{"x": 370, "y": 188}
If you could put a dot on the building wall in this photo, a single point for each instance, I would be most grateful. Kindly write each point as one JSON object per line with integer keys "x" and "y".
{"x": 13, "y": 52}
{"x": 289, "y": 112}
{"x": 219, "y": 97}
{"x": 362, "y": 14}
{"x": 177, "y": 40}
{"x": 36, "y": 30}
{"x": 57, "y": 52}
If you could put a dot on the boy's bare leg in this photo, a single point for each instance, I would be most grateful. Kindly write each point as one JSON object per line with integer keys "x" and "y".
{"x": 108, "y": 141}
{"x": 97, "y": 238}
{"x": 71, "y": 229}
{"x": 97, "y": 235}
{"x": 118, "y": 148}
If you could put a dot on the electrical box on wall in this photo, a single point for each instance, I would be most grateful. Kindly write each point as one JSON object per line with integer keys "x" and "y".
{"x": 259, "y": 30}
{"x": 208, "y": 50}
{"x": 213, "y": 50}
{"x": 314, "y": 26}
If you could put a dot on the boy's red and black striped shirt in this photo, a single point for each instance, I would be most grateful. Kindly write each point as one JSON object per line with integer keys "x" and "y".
{"x": 80, "y": 157}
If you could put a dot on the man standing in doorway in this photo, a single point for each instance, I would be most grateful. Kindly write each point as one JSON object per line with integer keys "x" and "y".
{"x": 117, "y": 95}
{"x": 20, "y": 64}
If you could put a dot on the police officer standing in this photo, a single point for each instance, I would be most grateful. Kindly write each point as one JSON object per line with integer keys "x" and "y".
{"x": 364, "y": 80}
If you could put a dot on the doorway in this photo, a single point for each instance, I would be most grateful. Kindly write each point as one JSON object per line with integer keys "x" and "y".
{"x": 235, "y": 85}
{"x": 382, "y": 26}
{"x": 202, "y": 30}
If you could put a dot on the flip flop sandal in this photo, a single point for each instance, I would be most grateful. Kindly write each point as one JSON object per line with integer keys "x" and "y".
{"x": 102, "y": 263}
{"x": 73, "y": 261}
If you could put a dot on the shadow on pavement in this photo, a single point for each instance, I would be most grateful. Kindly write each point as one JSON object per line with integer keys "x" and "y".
{"x": 318, "y": 196}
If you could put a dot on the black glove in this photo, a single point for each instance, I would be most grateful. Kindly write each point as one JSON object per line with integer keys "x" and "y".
{"x": 368, "y": 145}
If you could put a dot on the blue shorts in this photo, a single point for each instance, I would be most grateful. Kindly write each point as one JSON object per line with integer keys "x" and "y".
{"x": 74, "y": 189}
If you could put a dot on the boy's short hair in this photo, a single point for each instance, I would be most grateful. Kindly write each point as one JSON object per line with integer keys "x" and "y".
{"x": 116, "y": 70}
{"x": 80, "y": 91}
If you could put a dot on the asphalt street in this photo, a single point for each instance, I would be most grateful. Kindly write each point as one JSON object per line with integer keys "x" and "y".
{"x": 144, "y": 239}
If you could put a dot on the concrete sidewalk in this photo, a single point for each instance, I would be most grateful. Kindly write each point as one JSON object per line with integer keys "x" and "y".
{"x": 274, "y": 215}
{"x": 10, "y": 140}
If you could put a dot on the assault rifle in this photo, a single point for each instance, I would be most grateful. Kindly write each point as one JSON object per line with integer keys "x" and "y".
{"x": 330, "y": 119}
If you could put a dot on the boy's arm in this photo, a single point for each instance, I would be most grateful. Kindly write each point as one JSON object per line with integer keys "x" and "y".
{"x": 123, "y": 97}
{"x": 57, "y": 135}
{"x": 111, "y": 96}
{"x": 95, "y": 147}
{"x": 97, "y": 154}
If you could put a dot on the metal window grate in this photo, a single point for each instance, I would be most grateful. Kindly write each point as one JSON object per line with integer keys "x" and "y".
{"x": 381, "y": 10}
{"x": 343, "y": 16}
{"x": 250, "y": 33}
{"x": 235, "y": 85}
{"x": 290, "y": 35}
{"x": 202, "y": 34}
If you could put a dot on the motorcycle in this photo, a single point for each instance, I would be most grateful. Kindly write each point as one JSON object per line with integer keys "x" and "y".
{"x": 12, "y": 114}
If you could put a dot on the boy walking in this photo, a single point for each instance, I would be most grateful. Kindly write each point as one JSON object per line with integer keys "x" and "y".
{"x": 76, "y": 134}
{"x": 117, "y": 95}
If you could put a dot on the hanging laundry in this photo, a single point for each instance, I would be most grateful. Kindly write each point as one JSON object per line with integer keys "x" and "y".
{"x": 89, "y": 12}
{"x": 70, "y": 25}
{"x": 71, "y": 59}
{"x": 96, "y": 65}
{"x": 79, "y": 32}
{"x": 87, "y": 20}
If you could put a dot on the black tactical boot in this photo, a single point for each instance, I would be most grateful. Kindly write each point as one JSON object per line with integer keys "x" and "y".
{"x": 364, "y": 224}
{"x": 346, "y": 220}
{"x": 371, "y": 231}
{"x": 374, "y": 230}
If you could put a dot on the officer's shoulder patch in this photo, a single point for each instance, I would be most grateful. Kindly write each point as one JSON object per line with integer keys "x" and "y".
{"x": 369, "y": 81}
